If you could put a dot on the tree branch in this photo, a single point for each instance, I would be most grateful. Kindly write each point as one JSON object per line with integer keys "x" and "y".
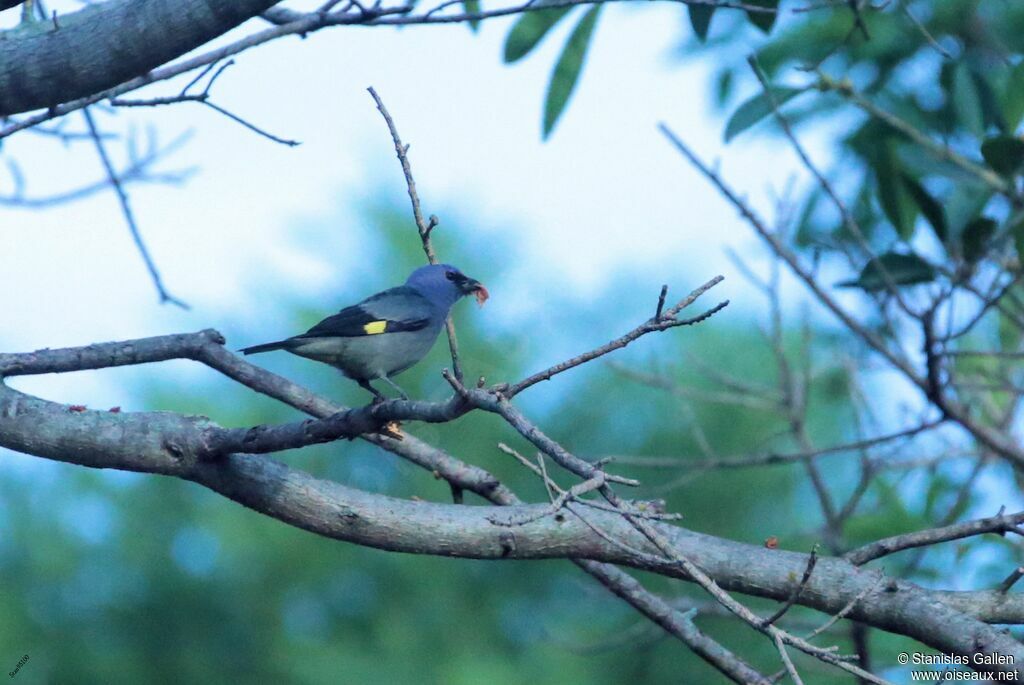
{"x": 984, "y": 434}
{"x": 129, "y": 216}
{"x": 663, "y": 321}
{"x": 105, "y": 44}
{"x": 66, "y": 81}
{"x": 1001, "y": 524}
{"x": 424, "y": 228}
{"x": 160, "y": 442}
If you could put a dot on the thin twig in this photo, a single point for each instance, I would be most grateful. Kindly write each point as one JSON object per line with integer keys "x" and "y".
{"x": 812, "y": 560}
{"x": 666, "y": 321}
{"x": 787, "y": 662}
{"x": 845, "y": 89}
{"x": 203, "y": 98}
{"x": 584, "y": 469}
{"x": 1014, "y": 576}
{"x": 987, "y": 436}
{"x": 424, "y": 228}
{"x": 126, "y": 209}
{"x": 136, "y": 171}
{"x": 848, "y": 220}
{"x": 929, "y": 38}
{"x": 841, "y": 614}
{"x": 1002, "y": 523}
{"x": 661, "y": 302}
{"x": 770, "y": 458}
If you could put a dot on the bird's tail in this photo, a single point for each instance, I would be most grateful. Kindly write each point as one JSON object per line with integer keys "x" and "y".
{"x": 265, "y": 347}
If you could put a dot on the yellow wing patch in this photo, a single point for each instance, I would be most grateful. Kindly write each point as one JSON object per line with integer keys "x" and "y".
{"x": 375, "y": 327}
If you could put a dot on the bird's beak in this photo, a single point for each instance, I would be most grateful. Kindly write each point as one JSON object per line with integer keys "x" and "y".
{"x": 471, "y": 286}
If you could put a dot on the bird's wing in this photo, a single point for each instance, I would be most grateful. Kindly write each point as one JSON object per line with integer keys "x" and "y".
{"x": 392, "y": 311}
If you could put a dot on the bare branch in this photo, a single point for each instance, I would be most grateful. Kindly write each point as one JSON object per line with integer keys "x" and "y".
{"x": 165, "y": 443}
{"x": 129, "y": 217}
{"x": 666, "y": 321}
{"x": 676, "y": 623}
{"x": 104, "y": 81}
{"x": 791, "y": 600}
{"x": 992, "y": 439}
{"x": 136, "y": 171}
{"x": 33, "y": 63}
{"x": 203, "y": 98}
{"x": 848, "y": 220}
{"x": 845, "y": 89}
{"x": 790, "y": 668}
{"x": 661, "y": 302}
{"x": 1000, "y": 524}
{"x": 771, "y": 458}
{"x": 1011, "y": 579}
{"x": 424, "y": 228}
{"x": 842, "y": 613}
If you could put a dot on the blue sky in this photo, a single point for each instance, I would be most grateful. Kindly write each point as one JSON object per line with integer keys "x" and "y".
{"x": 605, "y": 194}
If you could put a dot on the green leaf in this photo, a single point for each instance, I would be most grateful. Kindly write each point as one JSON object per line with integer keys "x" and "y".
{"x": 975, "y": 238}
{"x": 804, "y": 234}
{"x": 929, "y": 206}
{"x": 529, "y": 29}
{"x": 1012, "y": 101}
{"x": 864, "y": 213}
{"x": 567, "y": 69}
{"x": 472, "y": 7}
{"x": 967, "y": 101}
{"x": 966, "y": 201}
{"x": 763, "y": 20}
{"x": 991, "y": 113}
{"x": 700, "y": 19}
{"x": 1005, "y": 154}
{"x": 723, "y": 87}
{"x": 903, "y": 269}
{"x": 757, "y": 108}
{"x": 893, "y": 194}
{"x": 940, "y": 486}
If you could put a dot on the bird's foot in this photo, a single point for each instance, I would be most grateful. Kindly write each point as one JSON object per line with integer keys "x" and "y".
{"x": 378, "y": 396}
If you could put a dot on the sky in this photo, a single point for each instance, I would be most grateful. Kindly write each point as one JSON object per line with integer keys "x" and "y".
{"x": 605, "y": 194}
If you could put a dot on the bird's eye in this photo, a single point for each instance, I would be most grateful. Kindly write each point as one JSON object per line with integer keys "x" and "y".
{"x": 450, "y": 275}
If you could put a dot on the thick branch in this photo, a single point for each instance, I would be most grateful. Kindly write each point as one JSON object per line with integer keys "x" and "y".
{"x": 286, "y": 23}
{"x": 474, "y": 479}
{"x": 105, "y": 44}
{"x": 207, "y": 347}
{"x": 347, "y": 424}
{"x": 167, "y": 443}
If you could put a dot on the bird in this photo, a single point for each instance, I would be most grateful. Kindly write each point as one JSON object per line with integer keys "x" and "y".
{"x": 387, "y": 333}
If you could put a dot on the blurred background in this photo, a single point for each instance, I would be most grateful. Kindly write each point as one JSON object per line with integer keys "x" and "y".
{"x": 117, "y": 577}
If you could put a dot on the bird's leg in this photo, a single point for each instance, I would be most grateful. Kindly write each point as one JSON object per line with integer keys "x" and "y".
{"x": 394, "y": 385}
{"x": 378, "y": 397}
